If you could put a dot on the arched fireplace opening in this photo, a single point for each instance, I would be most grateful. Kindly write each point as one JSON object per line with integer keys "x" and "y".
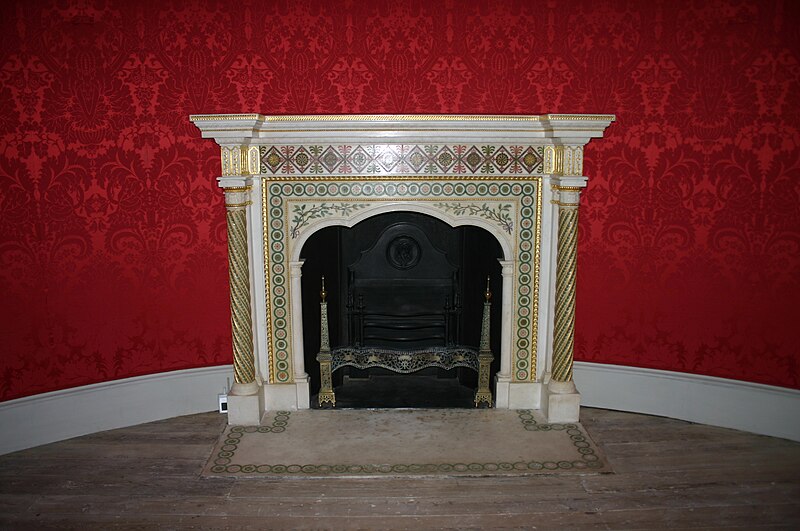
{"x": 410, "y": 264}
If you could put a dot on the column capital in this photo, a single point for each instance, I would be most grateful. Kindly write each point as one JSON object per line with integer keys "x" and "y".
{"x": 237, "y": 197}
{"x": 507, "y": 267}
{"x": 236, "y": 181}
{"x": 297, "y": 268}
{"x": 567, "y": 197}
{"x": 569, "y": 181}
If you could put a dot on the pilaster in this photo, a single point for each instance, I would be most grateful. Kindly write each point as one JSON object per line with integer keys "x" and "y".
{"x": 503, "y": 379}
{"x": 298, "y": 350}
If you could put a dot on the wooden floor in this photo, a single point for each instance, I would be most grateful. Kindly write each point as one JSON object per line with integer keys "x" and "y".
{"x": 669, "y": 474}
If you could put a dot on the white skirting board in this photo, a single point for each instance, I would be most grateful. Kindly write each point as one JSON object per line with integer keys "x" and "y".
{"x": 756, "y": 408}
{"x": 49, "y": 417}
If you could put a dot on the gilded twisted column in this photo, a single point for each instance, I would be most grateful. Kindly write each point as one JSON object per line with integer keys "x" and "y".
{"x": 236, "y": 201}
{"x": 566, "y": 269}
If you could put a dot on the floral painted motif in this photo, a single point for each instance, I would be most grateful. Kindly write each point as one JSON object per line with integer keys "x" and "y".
{"x": 500, "y": 213}
{"x": 304, "y": 213}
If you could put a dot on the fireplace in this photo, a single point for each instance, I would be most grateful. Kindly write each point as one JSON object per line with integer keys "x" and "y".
{"x": 516, "y": 178}
{"x": 405, "y": 293}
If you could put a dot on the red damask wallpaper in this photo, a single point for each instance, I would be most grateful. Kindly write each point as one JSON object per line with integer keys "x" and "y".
{"x": 112, "y": 231}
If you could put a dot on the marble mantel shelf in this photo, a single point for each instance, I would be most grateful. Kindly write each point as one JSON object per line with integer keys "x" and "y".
{"x": 566, "y": 128}
{"x": 457, "y": 168}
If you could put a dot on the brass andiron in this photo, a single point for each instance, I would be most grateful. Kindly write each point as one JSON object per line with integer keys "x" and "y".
{"x": 326, "y": 394}
{"x": 484, "y": 394}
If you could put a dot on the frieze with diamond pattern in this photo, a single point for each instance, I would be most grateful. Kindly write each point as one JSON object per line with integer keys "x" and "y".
{"x": 401, "y": 159}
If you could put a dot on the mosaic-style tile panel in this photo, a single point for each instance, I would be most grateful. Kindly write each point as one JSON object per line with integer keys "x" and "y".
{"x": 401, "y": 159}
{"x": 293, "y": 207}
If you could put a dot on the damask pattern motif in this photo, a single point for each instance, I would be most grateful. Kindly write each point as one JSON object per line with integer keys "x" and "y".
{"x": 112, "y": 231}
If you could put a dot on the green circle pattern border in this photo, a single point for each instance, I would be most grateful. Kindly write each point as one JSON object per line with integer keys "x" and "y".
{"x": 413, "y": 468}
{"x": 222, "y": 462}
{"x": 517, "y": 191}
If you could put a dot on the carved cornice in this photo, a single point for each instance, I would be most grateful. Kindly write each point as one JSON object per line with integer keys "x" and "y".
{"x": 242, "y": 131}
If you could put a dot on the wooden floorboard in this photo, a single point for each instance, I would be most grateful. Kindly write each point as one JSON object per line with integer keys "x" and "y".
{"x": 668, "y": 474}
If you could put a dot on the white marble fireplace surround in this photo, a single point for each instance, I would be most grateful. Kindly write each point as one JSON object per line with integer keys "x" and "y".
{"x": 518, "y": 177}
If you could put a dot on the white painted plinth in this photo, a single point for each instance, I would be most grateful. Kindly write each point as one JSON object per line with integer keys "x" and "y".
{"x": 517, "y": 395}
{"x": 303, "y": 393}
{"x": 285, "y": 396}
{"x": 501, "y": 392}
{"x": 244, "y": 405}
{"x": 561, "y": 402}
{"x": 244, "y": 410}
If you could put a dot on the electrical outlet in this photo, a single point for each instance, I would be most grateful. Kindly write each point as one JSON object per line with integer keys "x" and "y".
{"x": 223, "y": 403}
